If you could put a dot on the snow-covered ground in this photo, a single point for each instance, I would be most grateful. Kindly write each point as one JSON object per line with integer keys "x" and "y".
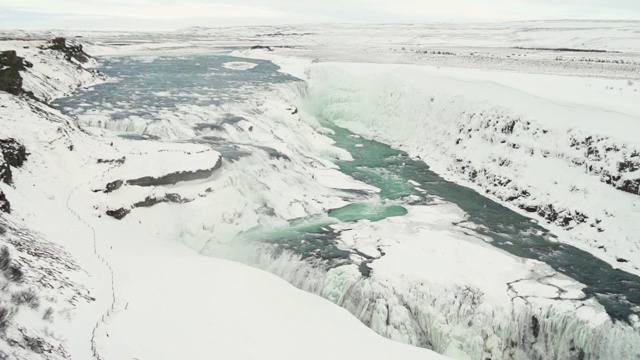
{"x": 550, "y": 133}
{"x": 91, "y": 287}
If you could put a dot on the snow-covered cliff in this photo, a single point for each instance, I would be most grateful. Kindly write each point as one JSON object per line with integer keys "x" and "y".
{"x": 562, "y": 150}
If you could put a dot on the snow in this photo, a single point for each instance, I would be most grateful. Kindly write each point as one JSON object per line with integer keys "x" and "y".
{"x": 145, "y": 294}
{"x": 435, "y": 283}
{"x": 432, "y": 105}
{"x": 45, "y": 79}
{"x": 155, "y": 160}
{"x": 227, "y": 309}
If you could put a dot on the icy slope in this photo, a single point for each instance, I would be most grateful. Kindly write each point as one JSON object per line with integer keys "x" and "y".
{"x": 562, "y": 149}
{"x": 175, "y": 304}
{"x": 54, "y": 305}
{"x": 79, "y": 286}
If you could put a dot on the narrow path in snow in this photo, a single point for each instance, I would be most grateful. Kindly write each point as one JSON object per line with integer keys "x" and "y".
{"x": 102, "y": 259}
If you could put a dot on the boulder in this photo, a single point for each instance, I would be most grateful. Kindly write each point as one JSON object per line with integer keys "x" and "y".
{"x": 5, "y": 206}
{"x": 12, "y": 153}
{"x": 10, "y": 66}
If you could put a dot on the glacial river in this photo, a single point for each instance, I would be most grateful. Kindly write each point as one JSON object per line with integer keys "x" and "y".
{"x": 148, "y": 86}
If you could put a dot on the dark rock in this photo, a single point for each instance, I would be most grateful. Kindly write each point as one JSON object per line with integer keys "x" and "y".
{"x": 70, "y": 51}
{"x": 148, "y": 202}
{"x": 5, "y": 173}
{"x": 261, "y": 47}
{"x": 628, "y": 166}
{"x": 5, "y": 206}
{"x": 10, "y": 78}
{"x": 114, "y": 185}
{"x": 13, "y": 154}
{"x": 119, "y": 161}
{"x": 535, "y": 326}
{"x": 118, "y": 213}
{"x": 508, "y": 127}
{"x": 171, "y": 198}
{"x": 173, "y": 178}
{"x": 630, "y": 186}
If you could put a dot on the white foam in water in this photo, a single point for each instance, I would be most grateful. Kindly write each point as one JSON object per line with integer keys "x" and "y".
{"x": 239, "y": 65}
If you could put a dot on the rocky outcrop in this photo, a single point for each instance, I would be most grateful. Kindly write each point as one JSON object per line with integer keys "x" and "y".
{"x": 504, "y": 189}
{"x": 70, "y": 51}
{"x": 597, "y": 154}
{"x": 149, "y": 201}
{"x": 614, "y": 163}
{"x": 13, "y": 154}
{"x": 118, "y": 213}
{"x": 173, "y": 178}
{"x": 5, "y": 206}
{"x": 114, "y": 185}
{"x": 10, "y": 66}
{"x": 262, "y": 47}
{"x": 118, "y": 161}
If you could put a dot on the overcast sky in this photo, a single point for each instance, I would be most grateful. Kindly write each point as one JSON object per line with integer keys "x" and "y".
{"x": 173, "y": 14}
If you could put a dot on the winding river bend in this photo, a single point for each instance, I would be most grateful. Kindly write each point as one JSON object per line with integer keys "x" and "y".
{"x": 149, "y": 88}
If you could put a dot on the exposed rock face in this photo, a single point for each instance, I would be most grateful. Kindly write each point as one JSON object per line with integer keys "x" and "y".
{"x": 173, "y": 178}
{"x": 5, "y": 206}
{"x": 13, "y": 154}
{"x": 70, "y": 51}
{"x": 261, "y": 47}
{"x": 5, "y": 173}
{"x": 617, "y": 165}
{"x": 118, "y": 213}
{"x": 10, "y": 66}
{"x": 171, "y": 198}
{"x": 119, "y": 161}
{"x": 114, "y": 185}
{"x": 147, "y": 202}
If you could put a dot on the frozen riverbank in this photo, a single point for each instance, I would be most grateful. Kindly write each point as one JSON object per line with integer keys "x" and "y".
{"x": 89, "y": 280}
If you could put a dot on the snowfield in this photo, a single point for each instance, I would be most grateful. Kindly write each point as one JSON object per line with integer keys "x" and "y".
{"x": 144, "y": 220}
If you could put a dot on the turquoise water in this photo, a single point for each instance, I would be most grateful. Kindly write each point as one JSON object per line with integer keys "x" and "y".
{"x": 390, "y": 170}
{"x": 149, "y": 86}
